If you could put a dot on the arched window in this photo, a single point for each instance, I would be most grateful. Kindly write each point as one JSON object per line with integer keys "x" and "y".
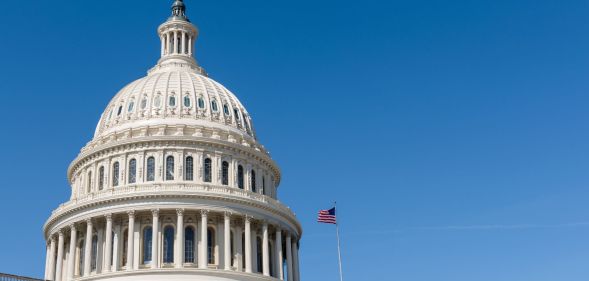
{"x": 187, "y": 102}
{"x": 120, "y": 110}
{"x": 101, "y": 178}
{"x": 253, "y": 181}
{"x": 170, "y": 168}
{"x": 94, "y": 255}
{"x": 132, "y": 171}
{"x": 147, "y": 243}
{"x": 82, "y": 248}
{"x": 150, "y": 169}
{"x": 125, "y": 247}
{"x": 211, "y": 245}
{"x": 112, "y": 249}
{"x": 225, "y": 173}
{"x": 168, "y": 244}
{"x": 201, "y": 103}
{"x": 271, "y": 258}
{"x": 247, "y": 125}
{"x": 131, "y": 106}
{"x": 214, "y": 106}
{"x": 189, "y": 166}
{"x": 157, "y": 102}
{"x": 264, "y": 185}
{"x": 189, "y": 245}
{"x": 243, "y": 248}
{"x": 232, "y": 236}
{"x": 236, "y": 113}
{"x": 143, "y": 103}
{"x": 259, "y": 252}
{"x": 240, "y": 177}
{"x": 115, "y": 174}
{"x": 172, "y": 101}
{"x": 207, "y": 173}
{"x": 89, "y": 184}
{"x": 226, "y": 109}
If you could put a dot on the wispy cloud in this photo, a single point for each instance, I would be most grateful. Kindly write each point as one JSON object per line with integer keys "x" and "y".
{"x": 482, "y": 227}
{"x": 500, "y": 226}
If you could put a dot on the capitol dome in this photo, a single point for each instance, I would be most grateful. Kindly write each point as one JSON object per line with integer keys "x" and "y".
{"x": 174, "y": 185}
{"x": 176, "y": 98}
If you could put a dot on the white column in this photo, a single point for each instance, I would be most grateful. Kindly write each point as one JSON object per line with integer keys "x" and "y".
{"x": 136, "y": 245}
{"x": 162, "y": 38}
{"x": 59, "y": 266}
{"x": 265, "y": 250}
{"x": 220, "y": 244}
{"x": 279, "y": 256}
{"x": 255, "y": 266}
{"x": 175, "y": 42}
{"x": 238, "y": 247}
{"x": 227, "y": 245}
{"x": 183, "y": 42}
{"x": 180, "y": 239}
{"x": 248, "y": 244}
{"x": 295, "y": 253}
{"x": 154, "y": 238}
{"x": 189, "y": 45}
{"x": 72, "y": 254}
{"x": 289, "y": 257}
{"x": 108, "y": 253}
{"x": 88, "y": 247}
{"x": 47, "y": 257}
{"x": 116, "y": 252}
{"x": 51, "y": 267}
{"x": 167, "y": 43}
{"x": 203, "y": 258}
{"x": 130, "y": 240}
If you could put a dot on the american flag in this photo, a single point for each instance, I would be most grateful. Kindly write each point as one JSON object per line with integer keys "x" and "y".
{"x": 327, "y": 216}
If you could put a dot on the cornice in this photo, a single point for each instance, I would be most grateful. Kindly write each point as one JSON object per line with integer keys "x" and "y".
{"x": 134, "y": 193}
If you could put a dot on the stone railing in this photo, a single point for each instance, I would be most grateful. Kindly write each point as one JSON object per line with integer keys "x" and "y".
{"x": 8, "y": 277}
{"x": 180, "y": 189}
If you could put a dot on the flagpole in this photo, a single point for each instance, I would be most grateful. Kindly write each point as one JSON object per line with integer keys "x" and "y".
{"x": 339, "y": 251}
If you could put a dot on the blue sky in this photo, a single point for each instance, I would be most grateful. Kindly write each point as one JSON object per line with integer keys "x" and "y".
{"x": 454, "y": 134}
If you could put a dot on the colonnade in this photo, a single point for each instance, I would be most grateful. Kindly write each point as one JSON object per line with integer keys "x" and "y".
{"x": 177, "y": 42}
{"x": 175, "y": 239}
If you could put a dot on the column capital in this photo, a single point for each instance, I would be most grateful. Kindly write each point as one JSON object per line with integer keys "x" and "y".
{"x": 108, "y": 217}
{"x": 60, "y": 233}
{"x": 131, "y": 214}
{"x": 89, "y": 221}
{"x": 73, "y": 227}
{"x": 227, "y": 214}
{"x": 204, "y": 212}
{"x": 248, "y": 218}
{"x": 180, "y": 212}
{"x": 155, "y": 212}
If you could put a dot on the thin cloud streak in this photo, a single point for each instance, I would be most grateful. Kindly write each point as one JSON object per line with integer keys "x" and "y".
{"x": 462, "y": 228}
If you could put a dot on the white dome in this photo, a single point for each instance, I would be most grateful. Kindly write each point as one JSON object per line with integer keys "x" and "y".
{"x": 174, "y": 161}
{"x": 175, "y": 97}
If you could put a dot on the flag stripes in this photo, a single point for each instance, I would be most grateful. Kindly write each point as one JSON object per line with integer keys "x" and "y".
{"x": 327, "y": 216}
